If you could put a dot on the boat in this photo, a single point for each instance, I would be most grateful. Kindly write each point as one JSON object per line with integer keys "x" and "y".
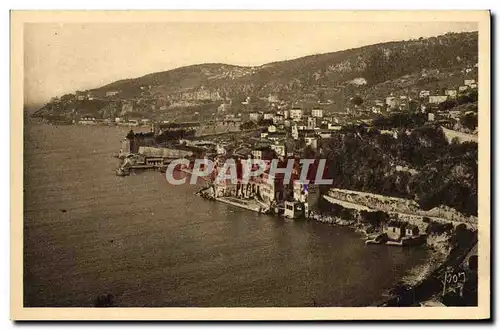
{"x": 408, "y": 241}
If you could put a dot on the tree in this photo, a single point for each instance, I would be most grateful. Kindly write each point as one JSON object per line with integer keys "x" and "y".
{"x": 464, "y": 98}
{"x": 265, "y": 122}
{"x": 447, "y": 105}
{"x": 248, "y": 125}
{"x": 413, "y": 106}
{"x": 309, "y": 152}
{"x": 469, "y": 121}
{"x": 130, "y": 135}
{"x": 357, "y": 101}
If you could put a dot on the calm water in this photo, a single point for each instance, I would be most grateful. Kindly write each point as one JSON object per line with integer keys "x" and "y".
{"x": 152, "y": 244}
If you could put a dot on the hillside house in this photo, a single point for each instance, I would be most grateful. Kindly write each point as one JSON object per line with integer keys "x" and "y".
{"x": 311, "y": 122}
{"x": 265, "y": 153}
{"x": 279, "y": 149}
{"x": 391, "y": 101}
{"x": 469, "y": 82}
{"x": 463, "y": 88}
{"x": 317, "y": 113}
{"x": 276, "y": 136}
{"x": 301, "y": 125}
{"x": 220, "y": 149}
{"x": 436, "y": 99}
{"x": 411, "y": 230}
{"x": 325, "y": 134}
{"x": 256, "y": 116}
{"x": 334, "y": 127}
{"x": 296, "y": 114}
{"x": 395, "y": 230}
{"x": 311, "y": 140}
{"x": 452, "y": 93}
{"x": 278, "y": 119}
{"x": 87, "y": 120}
{"x": 424, "y": 93}
{"x": 293, "y": 209}
{"x": 268, "y": 116}
{"x": 112, "y": 93}
{"x": 80, "y": 96}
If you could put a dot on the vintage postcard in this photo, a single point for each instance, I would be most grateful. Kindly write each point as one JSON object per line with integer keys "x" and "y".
{"x": 250, "y": 165}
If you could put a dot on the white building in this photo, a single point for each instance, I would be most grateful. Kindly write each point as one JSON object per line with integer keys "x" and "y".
{"x": 317, "y": 113}
{"x": 286, "y": 114}
{"x": 299, "y": 192}
{"x": 311, "y": 141}
{"x": 296, "y": 114}
{"x": 325, "y": 134}
{"x": 391, "y": 101}
{"x": 436, "y": 99}
{"x": 112, "y": 93}
{"x": 311, "y": 123}
{"x": 469, "y": 82}
{"x": 279, "y": 149}
{"x": 87, "y": 120}
{"x": 463, "y": 88}
{"x": 257, "y": 154}
{"x": 220, "y": 149}
{"x": 295, "y": 132}
{"x": 424, "y": 93}
{"x": 451, "y": 93}
{"x": 278, "y": 119}
{"x": 268, "y": 116}
{"x": 334, "y": 127}
{"x": 255, "y": 116}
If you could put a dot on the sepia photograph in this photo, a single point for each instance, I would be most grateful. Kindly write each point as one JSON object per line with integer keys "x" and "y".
{"x": 217, "y": 165}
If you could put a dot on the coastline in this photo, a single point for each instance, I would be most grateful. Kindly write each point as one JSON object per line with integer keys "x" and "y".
{"x": 418, "y": 279}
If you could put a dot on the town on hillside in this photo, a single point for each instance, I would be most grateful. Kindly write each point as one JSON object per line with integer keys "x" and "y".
{"x": 401, "y": 150}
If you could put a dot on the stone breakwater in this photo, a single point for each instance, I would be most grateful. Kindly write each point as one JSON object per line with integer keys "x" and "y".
{"x": 332, "y": 220}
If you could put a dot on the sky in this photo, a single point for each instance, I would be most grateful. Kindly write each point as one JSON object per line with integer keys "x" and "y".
{"x": 63, "y": 58}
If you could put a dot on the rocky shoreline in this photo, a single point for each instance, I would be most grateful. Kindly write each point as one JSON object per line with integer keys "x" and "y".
{"x": 418, "y": 285}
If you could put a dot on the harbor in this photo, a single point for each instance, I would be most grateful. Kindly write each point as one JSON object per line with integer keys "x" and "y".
{"x": 219, "y": 251}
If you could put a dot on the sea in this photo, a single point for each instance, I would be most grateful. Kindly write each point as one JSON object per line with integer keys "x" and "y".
{"x": 88, "y": 233}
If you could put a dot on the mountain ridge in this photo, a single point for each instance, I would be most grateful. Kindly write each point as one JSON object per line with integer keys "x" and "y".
{"x": 332, "y": 77}
{"x": 328, "y": 67}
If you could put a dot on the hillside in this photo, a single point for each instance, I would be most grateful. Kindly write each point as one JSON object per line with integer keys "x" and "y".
{"x": 376, "y": 63}
{"x": 369, "y": 70}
